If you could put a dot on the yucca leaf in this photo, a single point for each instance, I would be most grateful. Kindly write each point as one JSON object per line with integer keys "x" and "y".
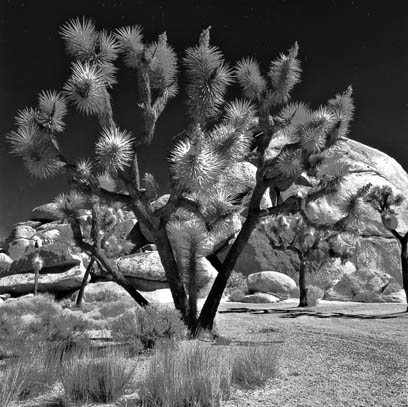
{"x": 27, "y": 117}
{"x": 52, "y": 109}
{"x": 163, "y": 63}
{"x": 130, "y": 40}
{"x": 68, "y": 205}
{"x": 284, "y": 74}
{"x": 107, "y": 47}
{"x": 114, "y": 149}
{"x": 86, "y": 88}
{"x": 228, "y": 143}
{"x": 249, "y": 77}
{"x": 80, "y": 38}
{"x": 240, "y": 114}
{"x": 194, "y": 165}
{"x": 208, "y": 77}
{"x": 289, "y": 164}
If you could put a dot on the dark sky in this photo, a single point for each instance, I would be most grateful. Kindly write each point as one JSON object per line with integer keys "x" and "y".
{"x": 363, "y": 43}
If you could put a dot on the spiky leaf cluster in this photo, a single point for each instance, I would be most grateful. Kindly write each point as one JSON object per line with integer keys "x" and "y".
{"x": 114, "y": 149}
{"x": 130, "y": 41}
{"x": 70, "y": 204}
{"x": 208, "y": 77}
{"x": 284, "y": 74}
{"x": 162, "y": 64}
{"x": 240, "y": 114}
{"x": 86, "y": 88}
{"x": 194, "y": 164}
{"x": 249, "y": 77}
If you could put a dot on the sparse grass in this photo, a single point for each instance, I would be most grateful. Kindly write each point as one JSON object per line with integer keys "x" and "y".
{"x": 11, "y": 383}
{"x": 101, "y": 378}
{"x": 142, "y": 328}
{"x": 194, "y": 374}
{"x": 254, "y": 364}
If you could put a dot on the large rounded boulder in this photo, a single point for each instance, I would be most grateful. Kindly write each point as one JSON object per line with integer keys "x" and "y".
{"x": 272, "y": 282}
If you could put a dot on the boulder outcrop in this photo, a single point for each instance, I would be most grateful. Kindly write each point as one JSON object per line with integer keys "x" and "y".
{"x": 272, "y": 282}
{"x": 376, "y": 248}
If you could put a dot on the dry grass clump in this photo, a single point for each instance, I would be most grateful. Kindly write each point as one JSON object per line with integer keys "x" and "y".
{"x": 193, "y": 374}
{"x": 11, "y": 383}
{"x": 143, "y": 328}
{"x": 97, "y": 377}
{"x": 254, "y": 364}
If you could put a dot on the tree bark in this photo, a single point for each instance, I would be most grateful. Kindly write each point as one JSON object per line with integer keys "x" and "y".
{"x": 37, "y": 272}
{"x": 209, "y": 310}
{"x": 84, "y": 282}
{"x": 302, "y": 284}
{"x": 120, "y": 279}
{"x": 404, "y": 264}
{"x": 172, "y": 272}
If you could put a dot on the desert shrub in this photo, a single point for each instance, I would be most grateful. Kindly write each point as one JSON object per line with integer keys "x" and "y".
{"x": 11, "y": 383}
{"x": 254, "y": 364}
{"x": 237, "y": 295}
{"x": 104, "y": 296}
{"x": 115, "y": 308}
{"x": 314, "y": 294}
{"x": 101, "y": 378}
{"x": 29, "y": 324}
{"x": 194, "y": 374}
{"x": 125, "y": 330}
{"x": 144, "y": 327}
{"x": 39, "y": 375}
{"x": 236, "y": 281}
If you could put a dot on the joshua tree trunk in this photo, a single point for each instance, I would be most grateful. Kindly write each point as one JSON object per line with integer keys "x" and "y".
{"x": 209, "y": 310}
{"x": 404, "y": 264}
{"x": 84, "y": 282}
{"x": 37, "y": 272}
{"x": 302, "y": 284}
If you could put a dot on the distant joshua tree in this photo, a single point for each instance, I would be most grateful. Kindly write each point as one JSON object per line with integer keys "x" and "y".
{"x": 287, "y": 142}
{"x": 313, "y": 242}
{"x": 384, "y": 201}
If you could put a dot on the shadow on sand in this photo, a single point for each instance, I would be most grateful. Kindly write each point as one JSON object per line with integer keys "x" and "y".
{"x": 296, "y": 312}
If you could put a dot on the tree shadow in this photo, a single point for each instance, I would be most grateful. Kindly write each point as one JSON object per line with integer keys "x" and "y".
{"x": 295, "y": 313}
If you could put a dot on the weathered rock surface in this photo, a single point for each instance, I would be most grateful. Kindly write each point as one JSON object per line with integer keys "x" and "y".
{"x": 21, "y": 284}
{"x": 260, "y": 298}
{"x": 46, "y": 213}
{"x": 5, "y": 263}
{"x": 57, "y": 258}
{"x": 145, "y": 266}
{"x": 362, "y": 285}
{"x": 18, "y": 248}
{"x": 271, "y": 282}
{"x": 376, "y": 249}
{"x": 397, "y": 297}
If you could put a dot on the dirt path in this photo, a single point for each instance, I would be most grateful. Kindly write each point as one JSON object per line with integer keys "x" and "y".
{"x": 337, "y": 355}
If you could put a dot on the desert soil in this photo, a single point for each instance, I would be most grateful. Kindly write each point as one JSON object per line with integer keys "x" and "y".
{"x": 332, "y": 355}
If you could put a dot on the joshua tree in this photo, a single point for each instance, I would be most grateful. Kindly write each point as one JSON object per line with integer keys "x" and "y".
{"x": 385, "y": 201}
{"x": 312, "y": 242}
{"x": 286, "y": 141}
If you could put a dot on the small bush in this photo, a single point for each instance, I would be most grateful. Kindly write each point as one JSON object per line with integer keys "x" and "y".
{"x": 255, "y": 364}
{"x": 98, "y": 378}
{"x": 147, "y": 326}
{"x": 192, "y": 375}
{"x": 314, "y": 294}
{"x": 115, "y": 308}
{"x": 104, "y": 296}
{"x": 237, "y": 295}
{"x": 236, "y": 281}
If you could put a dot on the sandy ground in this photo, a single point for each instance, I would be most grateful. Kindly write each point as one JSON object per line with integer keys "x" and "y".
{"x": 332, "y": 355}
